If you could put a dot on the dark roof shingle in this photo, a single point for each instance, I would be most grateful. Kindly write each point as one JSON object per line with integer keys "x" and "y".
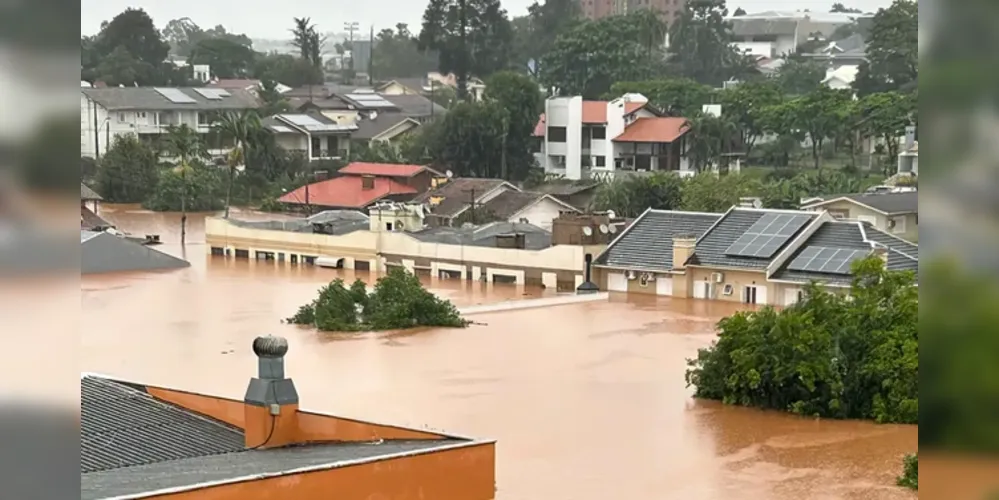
{"x": 147, "y": 98}
{"x": 889, "y": 203}
{"x": 647, "y": 244}
{"x": 87, "y": 194}
{"x": 509, "y": 203}
{"x": 457, "y": 194}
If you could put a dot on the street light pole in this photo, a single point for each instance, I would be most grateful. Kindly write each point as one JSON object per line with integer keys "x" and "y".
{"x": 351, "y": 27}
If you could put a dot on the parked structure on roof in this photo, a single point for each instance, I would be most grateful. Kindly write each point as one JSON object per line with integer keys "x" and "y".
{"x": 754, "y": 256}
{"x": 139, "y": 441}
{"x": 106, "y": 113}
{"x": 581, "y": 139}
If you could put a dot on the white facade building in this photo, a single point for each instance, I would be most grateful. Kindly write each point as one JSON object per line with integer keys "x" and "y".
{"x": 774, "y": 33}
{"x": 597, "y": 139}
{"x": 106, "y": 113}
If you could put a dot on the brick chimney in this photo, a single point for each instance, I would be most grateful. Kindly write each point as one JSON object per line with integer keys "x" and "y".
{"x": 683, "y": 248}
{"x": 271, "y": 401}
{"x": 367, "y": 182}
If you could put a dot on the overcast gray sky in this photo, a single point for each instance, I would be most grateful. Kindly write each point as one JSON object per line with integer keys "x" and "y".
{"x": 270, "y": 19}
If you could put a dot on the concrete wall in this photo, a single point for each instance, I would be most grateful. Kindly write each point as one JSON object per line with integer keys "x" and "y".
{"x": 737, "y": 279}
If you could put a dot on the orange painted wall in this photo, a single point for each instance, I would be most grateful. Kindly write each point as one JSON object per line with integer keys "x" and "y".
{"x": 311, "y": 426}
{"x": 461, "y": 474}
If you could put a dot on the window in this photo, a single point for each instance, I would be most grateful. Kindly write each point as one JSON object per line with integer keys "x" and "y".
{"x": 749, "y": 295}
{"x": 121, "y": 117}
{"x": 838, "y": 213}
{"x": 388, "y": 226}
{"x": 598, "y": 133}
{"x": 600, "y": 161}
{"x": 556, "y": 134}
{"x": 203, "y": 119}
{"x": 801, "y": 295}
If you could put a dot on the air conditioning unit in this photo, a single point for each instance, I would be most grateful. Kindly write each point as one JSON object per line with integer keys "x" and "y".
{"x": 717, "y": 277}
{"x": 727, "y": 290}
{"x": 631, "y": 275}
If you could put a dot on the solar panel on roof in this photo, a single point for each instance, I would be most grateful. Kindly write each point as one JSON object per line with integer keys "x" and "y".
{"x": 211, "y": 94}
{"x": 175, "y": 95}
{"x": 826, "y": 260}
{"x": 302, "y": 120}
{"x": 372, "y": 100}
{"x": 222, "y": 92}
{"x": 282, "y": 129}
{"x": 767, "y": 235}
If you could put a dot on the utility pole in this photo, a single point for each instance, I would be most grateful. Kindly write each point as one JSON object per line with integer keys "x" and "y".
{"x": 463, "y": 62}
{"x": 351, "y": 27}
{"x": 371, "y": 57}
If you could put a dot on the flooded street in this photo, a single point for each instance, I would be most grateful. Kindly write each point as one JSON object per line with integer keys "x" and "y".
{"x": 587, "y": 401}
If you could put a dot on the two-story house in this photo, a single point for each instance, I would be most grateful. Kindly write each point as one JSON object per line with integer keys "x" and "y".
{"x": 313, "y": 134}
{"x": 582, "y": 139}
{"x": 148, "y": 112}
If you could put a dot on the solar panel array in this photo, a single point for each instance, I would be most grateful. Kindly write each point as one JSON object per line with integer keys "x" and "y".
{"x": 282, "y": 129}
{"x": 826, "y": 260}
{"x": 313, "y": 125}
{"x": 175, "y": 95}
{"x": 370, "y": 100}
{"x": 213, "y": 94}
{"x": 767, "y": 235}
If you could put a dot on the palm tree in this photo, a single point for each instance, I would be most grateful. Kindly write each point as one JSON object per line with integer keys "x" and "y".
{"x": 708, "y": 137}
{"x": 241, "y": 127}
{"x": 184, "y": 144}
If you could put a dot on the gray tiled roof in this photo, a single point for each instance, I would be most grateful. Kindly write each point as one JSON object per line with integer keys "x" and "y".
{"x": 535, "y": 238}
{"x": 889, "y": 203}
{"x": 415, "y": 105}
{"x": 87, "y": 194}
{"x": 564, "y": 189}
{"x": 457, "y": 194}
{"x": 368, "y": 129}
{"x": 104, "y": 253}
{"x": 648, "y": 242}
{"x": 711, "y": 247}
{"x": 147, "y": 98}
{"x": 902, "y": 255}
{"x": 123, "y": 427}
{"x": 509, "y": 203}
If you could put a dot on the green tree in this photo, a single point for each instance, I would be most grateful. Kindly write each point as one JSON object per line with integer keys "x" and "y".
{"x": 471, "y": 38}
{"x": 838, "y": 7}
{"x": 184, "y": 144}
{"x": 829, "y": 355}
{"x": 468, "y": 140}
{"x": 819, "y": 115}
{"x": 629, "y": 196}
{"x": 885, "y": 115}
{"x": 138, "y": 51}
{"x": 745, "y": 104}
{"x": 518, "y": 96}
{"x": 128, "y": 171}
{"x": 273, "y": 101}
{"x": 227, "y": 58}
{"x": 707, "y": 137}
{"x": 536, "y": 32}
{"x": 240, "y": 127}
{"x": 892, "y": 51}
{"x": 910, "y": 472}
{"x": 700, "y": 45}
{"x": 674, "y": 96}
{"x": 591, "y": 56}
{"x": 196, "y": 187}
{"x": 708, "y": 192}
{"x": 396, "y": 55}
{"x": 799, "y": 76}
{"x": 286, "y": 69}
{"x": 309, "y": 42}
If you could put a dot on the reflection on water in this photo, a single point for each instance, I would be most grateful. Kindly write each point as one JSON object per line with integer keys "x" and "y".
{"x": 588, "y": 401}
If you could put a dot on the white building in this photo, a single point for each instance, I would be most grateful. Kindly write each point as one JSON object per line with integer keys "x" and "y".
{"x": 106, "y": 113}
{"x": 773, "y": 34}
{"x": 596, "y": 139}
{"x": 315, "y": 135}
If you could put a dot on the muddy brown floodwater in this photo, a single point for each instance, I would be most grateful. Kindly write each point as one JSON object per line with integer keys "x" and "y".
{"x": 587, "y": 401}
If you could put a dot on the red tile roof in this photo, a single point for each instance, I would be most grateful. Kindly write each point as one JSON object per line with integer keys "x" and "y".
{"x": 654, "y": 130}
{"x": 346, "y": 192}
{"x": 594, "y": 113}
{"x": 381, "y": 169}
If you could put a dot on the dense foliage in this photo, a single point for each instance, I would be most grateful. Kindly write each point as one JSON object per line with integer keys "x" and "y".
{"x": 201, "y": 184}
{"x": 398, "y": 301}
{"x": 910, "y": 472}
{"x": 128, "y": 171}
{"x": 831, "y": 355}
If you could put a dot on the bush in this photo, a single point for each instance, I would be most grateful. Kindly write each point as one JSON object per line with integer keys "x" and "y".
{"x": 398, "y": 301}
{"x": 910, "y": 472}
{"x": 128, "y": 171}
{"x": 827, "y": 356}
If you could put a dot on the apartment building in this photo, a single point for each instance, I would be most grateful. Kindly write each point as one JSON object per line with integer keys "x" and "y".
{"x": 668, "y": 10}
{"x": 148, "y": 112}
{"x": 582, "y": 139}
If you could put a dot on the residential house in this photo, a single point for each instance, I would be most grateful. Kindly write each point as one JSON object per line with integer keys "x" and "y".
{"x": 360, "y": 185}
{"x": 406, "y": 113}
{"x": 313, "y": 134}
{"x": 848, "y": 51}
{"x": 90, "y": 203}
{"x": 404, "y": 86}
{"x": 250, "y": 85}
{"x": 106, "y": 113}
{"x": 773, "y": 34}
{"x": 579, "y": 195}
{"x": 896, "y": 213}
{"x": 582, "y": 139}
{"x": 538, "y": 209}
{"x": 143, "y": 441}
{"x": 452, "y": 198}
{"x": 748, "y": 255}
{"x": 103, "y": 252}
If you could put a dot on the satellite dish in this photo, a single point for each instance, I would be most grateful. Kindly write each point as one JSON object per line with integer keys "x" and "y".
{"x": 612, "y": 228}
{"x": 611, "y": 214}
{"x": 587, "y": 231}
{"x": 449, "y": 174}
{"x": 603, "y": 228}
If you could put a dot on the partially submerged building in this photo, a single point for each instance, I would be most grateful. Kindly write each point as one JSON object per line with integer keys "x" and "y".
{"x": 749, "y": 255}
{"x": 102, "y": 252}
{"x": 144, "y": 441}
